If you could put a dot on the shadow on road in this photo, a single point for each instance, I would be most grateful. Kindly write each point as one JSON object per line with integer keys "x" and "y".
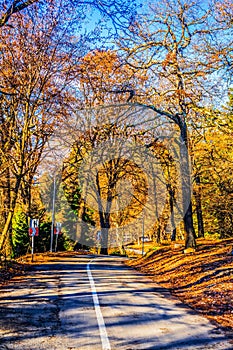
{"x": 53, "y": 305}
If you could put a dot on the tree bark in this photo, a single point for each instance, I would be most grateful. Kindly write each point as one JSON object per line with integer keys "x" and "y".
{"x": 190, "y": 236}
{"x": 171, "y": 202}
{"x": 5, "y": 230}
{"x": 179, "y": 119}
{"x": 197, "y": 195}
{"x": 104, "y": 238}
{"x": 10, "y": 215}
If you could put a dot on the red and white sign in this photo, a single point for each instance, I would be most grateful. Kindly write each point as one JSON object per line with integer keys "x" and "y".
{"x": 57, "y": 228}
{"x": 34, "y": 227}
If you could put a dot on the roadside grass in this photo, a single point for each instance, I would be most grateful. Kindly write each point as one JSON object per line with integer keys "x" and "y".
{"x": 202, "y": 279}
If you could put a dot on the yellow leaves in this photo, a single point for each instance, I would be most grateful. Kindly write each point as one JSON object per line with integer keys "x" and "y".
{"x": 104, "y": 78}
{"x": 170, "y": 58}
{"x": 224, "y": 10}
{"x": 200, "y": 74}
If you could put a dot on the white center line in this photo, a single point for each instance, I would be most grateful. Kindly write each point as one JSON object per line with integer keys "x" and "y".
{"x": 100, "y": 319}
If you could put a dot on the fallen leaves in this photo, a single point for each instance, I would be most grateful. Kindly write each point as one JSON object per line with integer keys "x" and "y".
{"x": 203, "y": 280}
{"x": 8, "y": 269}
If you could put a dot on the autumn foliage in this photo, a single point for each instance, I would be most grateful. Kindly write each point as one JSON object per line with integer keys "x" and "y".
{"x": 175, "y": 62}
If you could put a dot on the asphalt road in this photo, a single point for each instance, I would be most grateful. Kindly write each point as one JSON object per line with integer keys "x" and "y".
{"x": 98, "y": 303}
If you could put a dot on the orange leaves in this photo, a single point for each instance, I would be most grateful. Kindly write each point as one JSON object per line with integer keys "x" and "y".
{"x": 224, "y": 10}
{"x": 203, "y": 281}
{"x": 170, "y": 59}
{"x": 104, "y": 78}
{"x": 34, "y": 64}
{"x": 212, "y": 160}
{"x": 97, "y": 67}
{"x": 99, "y": 58}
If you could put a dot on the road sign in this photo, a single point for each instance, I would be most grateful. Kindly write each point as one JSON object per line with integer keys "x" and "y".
{"x": 98, "y": 236}
{"x": 34, "y": 227}
{"x": 57, "y": 228}
{"x": 33, "y": 231}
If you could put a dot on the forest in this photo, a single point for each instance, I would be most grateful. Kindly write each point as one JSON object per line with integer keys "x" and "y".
{"x": 116, "y": 121}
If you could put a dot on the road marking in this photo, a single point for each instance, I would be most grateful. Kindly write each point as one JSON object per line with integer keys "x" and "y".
{"x": 100, "y": 319}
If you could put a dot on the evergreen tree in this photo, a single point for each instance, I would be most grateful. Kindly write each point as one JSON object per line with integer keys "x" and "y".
{"x": 20, "y": 235}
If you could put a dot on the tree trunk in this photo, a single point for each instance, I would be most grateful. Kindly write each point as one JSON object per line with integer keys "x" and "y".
{"x": 158, "y": 235}
{"x": 8, "y": 244}
{"x": 104, "y": 217}
{"x": 7, "y": 226}
{"x": 104, "y": 240}
{"x": 197, "y": 194}
{"x": 105, "y": 225}
{"x": 104, "y": 250}
{"x": 190, "y": 236}
{"x": 158, "y": 231}
{"x": 179, "y": 120}
{"x": 173, "y": 235}
{"x": 171, "y": 202}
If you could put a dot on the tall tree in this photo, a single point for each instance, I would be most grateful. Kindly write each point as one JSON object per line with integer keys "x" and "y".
{"x": 99, "y": 167}
{"x": 35, "y": 65}
{"x": 212, "y": 157}
{"x": 39, "y": 50}
{"x": 169, "y": 46}
{"x": 103, "y": 81}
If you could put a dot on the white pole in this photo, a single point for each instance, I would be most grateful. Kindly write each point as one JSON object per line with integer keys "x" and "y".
{"x": 56, "y": 243}
{"x": 32, "y": 246}
{"x": 53, "y": 213}
{"x": 143, "y": 234}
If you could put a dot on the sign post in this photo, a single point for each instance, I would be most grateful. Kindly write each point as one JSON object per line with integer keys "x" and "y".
{"x": 143, "y": 235}
{"x": 32, "y": 248}
{"x": 53, "y": 214}
{"x": 33, "y": 231}
{"x": 57, "y": 231}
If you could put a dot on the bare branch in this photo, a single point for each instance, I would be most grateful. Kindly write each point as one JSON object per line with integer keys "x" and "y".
{"x": 15, "y": 7}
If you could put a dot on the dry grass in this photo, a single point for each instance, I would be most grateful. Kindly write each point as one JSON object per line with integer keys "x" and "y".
{"x": 203, "y": 280}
